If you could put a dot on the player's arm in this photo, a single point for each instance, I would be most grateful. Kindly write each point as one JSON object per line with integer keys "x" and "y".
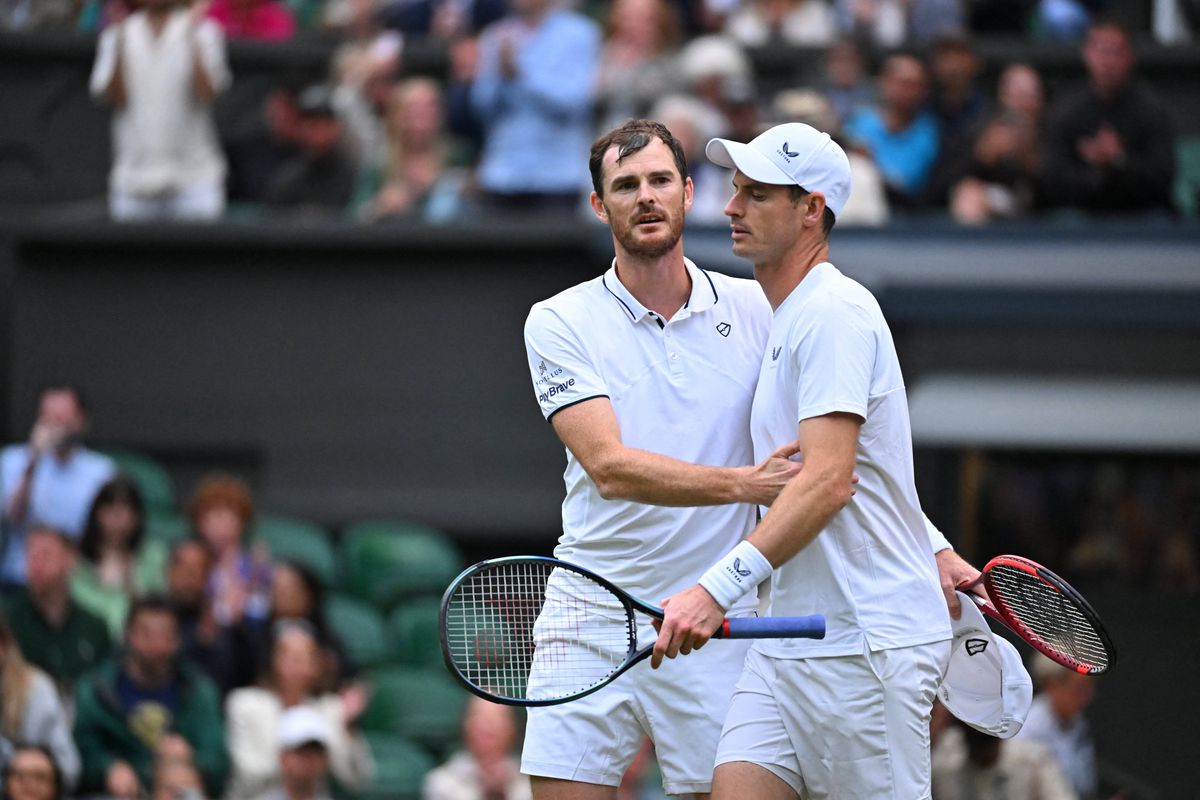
{"x": 589, "y": 429}
{"x": 802, "y": 510}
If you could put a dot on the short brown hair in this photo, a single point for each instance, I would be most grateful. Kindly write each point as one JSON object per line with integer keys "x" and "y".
{"x": 629, "y": 138}
{"x": 221, "y": 491}
{"x": 828, "y": 219}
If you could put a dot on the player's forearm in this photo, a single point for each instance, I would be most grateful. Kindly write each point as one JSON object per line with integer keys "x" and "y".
{"x": 802, "y": 510}
{"x": 654, "y": 479}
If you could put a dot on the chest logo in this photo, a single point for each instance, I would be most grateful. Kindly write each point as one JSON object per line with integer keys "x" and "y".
{"x": 976, "y": 646}
{"x": 775, "y": 353}
{"x": 724, "y": 328}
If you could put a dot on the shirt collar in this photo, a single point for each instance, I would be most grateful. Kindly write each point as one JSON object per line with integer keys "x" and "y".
{"x": 809, "y": 284}
{"x": 704, "y": 292}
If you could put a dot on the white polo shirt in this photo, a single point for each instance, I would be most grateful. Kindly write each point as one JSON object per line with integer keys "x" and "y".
{"x": 871, "y": 571}
{"x": 681, "y": 388}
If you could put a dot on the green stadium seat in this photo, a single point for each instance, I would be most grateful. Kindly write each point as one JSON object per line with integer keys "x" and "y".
{"x": 301, "y": 541}
{"x": 387, "y": 562}
{"x": 360, "y": 628}
{"x": 413, "y": 627}
{"x": 400, "y": 768}
{"x": 158, "y": 492}
{"x": 424, "y": 705}
{"x": 1187, "y": 176}
{"x": 166, "y": 526}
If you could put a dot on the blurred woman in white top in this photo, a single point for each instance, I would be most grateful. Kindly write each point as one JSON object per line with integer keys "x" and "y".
{"x": 161, "y": 68}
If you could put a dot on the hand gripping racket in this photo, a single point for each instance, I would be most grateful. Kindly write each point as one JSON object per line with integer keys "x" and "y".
{"x": 1045, "y": 611}
{"x": 535, "y": 631}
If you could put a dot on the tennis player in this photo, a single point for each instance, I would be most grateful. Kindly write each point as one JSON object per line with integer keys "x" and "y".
{"x": 646, "y": 374}
{"x": 847, "y": 716}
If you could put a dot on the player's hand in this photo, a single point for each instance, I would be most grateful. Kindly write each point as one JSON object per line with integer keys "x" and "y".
{"x": 765, "y": 481}
{"x": 955, "y": 573}
{"x": 690, "y": 619}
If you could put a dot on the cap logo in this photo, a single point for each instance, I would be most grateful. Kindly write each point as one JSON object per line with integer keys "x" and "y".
{"x": 976, "y": 646}
{"x": 788, "y": 155}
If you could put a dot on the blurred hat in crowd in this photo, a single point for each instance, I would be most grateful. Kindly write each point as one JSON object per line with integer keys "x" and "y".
{"x": 301, "y": 725}
{"x": 790, "y": 154}
{"x": 714, "y": 56}
{"x": 986, "y": 684}
{"x": 805, "y": 105}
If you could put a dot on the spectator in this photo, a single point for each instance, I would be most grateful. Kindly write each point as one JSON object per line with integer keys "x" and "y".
{"x": 293, "y": 680}
{"x": 1056, "y": 720}
{"x": 417, "y": 180}
{"x": 637, "y": 60}
{"x": 161, "y": 68}
{"x": 320, "y": 178}
{"x": 533, "y": 93}
{"x": 260, "y": 20}
{"x": 175, "y": 773}
{"x": 220, "y": 652}
{"x": 258, "y": 150}
{"x": 794, "y": 23}
{"x": 304, "y": 743}
{"x": 890, "y": 23}
{"x": 485, "y": 767}
{"x": 31, "y": 713}
{"x": 845, "y": 83}
{"x": 972, "y": 765}
{"x": 31, "y": 773}
{"x": 1002, "y": 173}
{"x": 52, "y": 479}
{"x": 296, "y": 593}
{"x": 135, "y": 710}
{"x": 239, "y": 584}
{"x": 365, "y": 69}
{"x": 1110, "y": 146}
{"x": 960, "y": 106}
{"x": 116, "y": 562}
{"x": 900, "y": 133}
{"x": 53, "y": 632}
{"x": 709, "y": 66}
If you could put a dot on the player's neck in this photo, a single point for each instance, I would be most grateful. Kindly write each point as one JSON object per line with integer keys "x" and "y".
{"x": 660, "y": 284}
{"x": 780, "y": 278}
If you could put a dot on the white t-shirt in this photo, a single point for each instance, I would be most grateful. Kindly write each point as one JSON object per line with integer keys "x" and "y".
{"x": 681, "y": 388}
{"x": 164, "y": 139}
{"x": 871, "y": 571}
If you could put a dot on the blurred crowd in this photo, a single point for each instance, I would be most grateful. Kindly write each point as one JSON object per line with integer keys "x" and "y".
{"x": 132, "y": 667}
{"x": 505, "y": 126}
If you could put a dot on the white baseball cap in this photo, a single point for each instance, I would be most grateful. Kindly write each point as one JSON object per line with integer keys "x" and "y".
{"x": 791, "y": 153}
{"x": 301, "y": 725}
{"x": 986, "y": 684}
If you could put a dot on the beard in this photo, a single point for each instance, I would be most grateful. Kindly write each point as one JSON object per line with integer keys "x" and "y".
{"x": 627, "y": 236}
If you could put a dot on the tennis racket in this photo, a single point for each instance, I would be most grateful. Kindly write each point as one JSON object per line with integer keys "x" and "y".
{"x": 1044, "y": 610}
{"x": 535, "y": 631}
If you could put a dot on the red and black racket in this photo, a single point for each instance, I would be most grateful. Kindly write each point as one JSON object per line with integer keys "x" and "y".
{"x": 1045, "y": 611}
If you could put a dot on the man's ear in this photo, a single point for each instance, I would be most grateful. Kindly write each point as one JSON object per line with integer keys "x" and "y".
{"x": 598, "y": 207}
{"x": 814, "y": 209}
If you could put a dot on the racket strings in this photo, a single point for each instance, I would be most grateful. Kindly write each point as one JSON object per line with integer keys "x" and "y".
{"x": 1049, "y": 615}
{"x": 534, "y": 631}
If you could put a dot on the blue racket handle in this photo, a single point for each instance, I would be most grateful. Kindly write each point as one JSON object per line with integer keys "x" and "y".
{"x": 810, "y": 627}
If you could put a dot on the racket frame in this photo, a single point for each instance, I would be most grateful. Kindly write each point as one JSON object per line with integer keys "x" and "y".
{"x": 1003, "y": 613}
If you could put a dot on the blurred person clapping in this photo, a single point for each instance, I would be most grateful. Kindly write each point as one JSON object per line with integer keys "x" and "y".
{"x": 160, "y": 68}
{"x": 486, "y": 767}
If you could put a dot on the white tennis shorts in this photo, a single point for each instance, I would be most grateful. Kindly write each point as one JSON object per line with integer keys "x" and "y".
{"x": 680, "y": 707}
{"x": 839, "y": 727}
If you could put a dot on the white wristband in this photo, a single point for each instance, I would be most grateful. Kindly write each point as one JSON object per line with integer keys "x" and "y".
{"x": 742, "y": 569}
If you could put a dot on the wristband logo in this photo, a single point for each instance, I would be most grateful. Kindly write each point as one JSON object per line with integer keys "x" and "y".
{"x": 739, "y": 569}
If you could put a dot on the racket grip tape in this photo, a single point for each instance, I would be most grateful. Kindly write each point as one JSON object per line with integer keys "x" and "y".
{"x": 810, "y": 627}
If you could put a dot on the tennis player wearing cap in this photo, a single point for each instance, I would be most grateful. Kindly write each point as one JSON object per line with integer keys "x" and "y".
{"x": 847, "y": 716}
